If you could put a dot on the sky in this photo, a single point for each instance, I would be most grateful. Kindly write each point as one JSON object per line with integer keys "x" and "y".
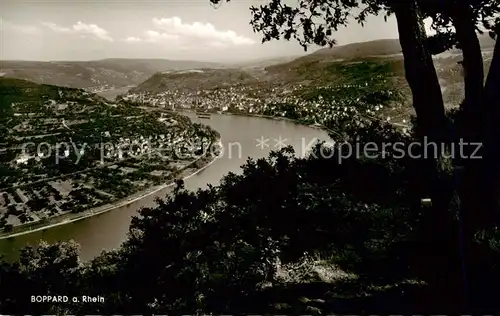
{"x": 181, "y": 30}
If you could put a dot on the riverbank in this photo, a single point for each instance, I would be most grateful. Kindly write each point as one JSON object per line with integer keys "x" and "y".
{"x": 184, "y": 173}
{"x": 269, "y": 117}
{"x": 281, "y": 118}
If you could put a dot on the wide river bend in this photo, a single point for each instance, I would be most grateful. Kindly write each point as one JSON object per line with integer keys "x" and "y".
{"x": 239, "y": 138}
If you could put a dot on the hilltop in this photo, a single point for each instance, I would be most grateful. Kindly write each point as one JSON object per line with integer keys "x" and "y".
{"x": 21, "y": 97}
{"x": 359, "y": 50}
{"x": 193, "y": 80}
{"x": 383, "y": 47}
{"x": 323, "y": 65}
{"x": 14, "y": 90}
{"x": 105, "y": 73}
{"x": 319, "y": 67}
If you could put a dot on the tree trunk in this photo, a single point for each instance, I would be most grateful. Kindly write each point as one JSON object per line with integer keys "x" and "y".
{"x": 437, "y": 230}
{"x": 473, "y": 116}
{"x": 426, "y": 91}
{"x": 473, "y": 67}
{"x": 491, "y": 159}
{"x": 480, "y": 185}
{"x": 420, "y": 71}
{"x": 471, "y": 49}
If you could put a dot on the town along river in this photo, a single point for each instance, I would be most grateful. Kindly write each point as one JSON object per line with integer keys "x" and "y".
{"x": 109, "y": 230}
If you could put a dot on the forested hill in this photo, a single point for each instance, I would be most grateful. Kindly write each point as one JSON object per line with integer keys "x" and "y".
{"x": 37, "y": 98}
{"x": 194, "y": 80}
{"x": 18, "y": 90}
{"x": 383, "y": 47}
{"x": 115, "y": 72}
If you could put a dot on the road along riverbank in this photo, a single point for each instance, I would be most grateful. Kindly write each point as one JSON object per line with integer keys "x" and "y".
{"x": 184, "y": 173}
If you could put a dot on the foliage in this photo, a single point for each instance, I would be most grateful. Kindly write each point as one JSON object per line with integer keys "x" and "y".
{"x": 46, "y": 270}
{"x": 313, "y": 22}
{"x": 218, "y": 250}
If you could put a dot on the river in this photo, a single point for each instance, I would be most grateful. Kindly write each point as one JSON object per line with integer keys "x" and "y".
{"x": 239, "y": 138}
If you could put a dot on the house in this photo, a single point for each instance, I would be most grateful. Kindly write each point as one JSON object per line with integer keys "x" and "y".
{"x": 23, "y": 159}
{"x": 62, "y": 106}
{"x": 21, "y": 194}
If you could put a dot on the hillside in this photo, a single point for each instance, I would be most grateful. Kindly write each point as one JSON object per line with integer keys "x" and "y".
{"x": 195, "y": 80}
{"x": 322, "y": 66}
{"x": 158, "y": 75}
{"x": 317, "y": 68}
{"x": 329, "y": 74}
{"x": 43, "y": 186}
{"x": 19, "y": 97}
{"x": 18, "y": 90}
{"x": 106, "y": 73}
{"x": 263, "y": 62}
{"x": 385, "y": 48}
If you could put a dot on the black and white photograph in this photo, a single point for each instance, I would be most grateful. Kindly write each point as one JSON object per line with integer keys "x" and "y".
{"x": 249, "y": 157}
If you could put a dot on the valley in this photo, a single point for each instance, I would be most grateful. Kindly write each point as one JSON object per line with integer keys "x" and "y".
{"x": 61, "y": 142}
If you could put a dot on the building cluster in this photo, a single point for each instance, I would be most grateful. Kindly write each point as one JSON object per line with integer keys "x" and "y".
{"x": 280, "y": 101}
{"x": 122, "y": 155}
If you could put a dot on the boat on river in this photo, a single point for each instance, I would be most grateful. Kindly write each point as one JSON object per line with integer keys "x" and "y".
{"x": 203, "y": 115}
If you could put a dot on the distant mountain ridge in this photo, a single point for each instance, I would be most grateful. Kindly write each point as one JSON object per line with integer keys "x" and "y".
{"x": 377, "y": 49}
{"x": 382, "y": 47}
{"x": 359, "y": 50}
{"x": 114, "y": 72}
{"x": 122, "y": 72}
{"x": 328, "y": 66}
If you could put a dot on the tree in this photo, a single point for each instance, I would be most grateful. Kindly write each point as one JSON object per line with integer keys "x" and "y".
{"x": 44, "y": 270}
{"x": 468, "y": 17}
{"x": 314, "y": 22}
{"x": 479, "y": 119}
